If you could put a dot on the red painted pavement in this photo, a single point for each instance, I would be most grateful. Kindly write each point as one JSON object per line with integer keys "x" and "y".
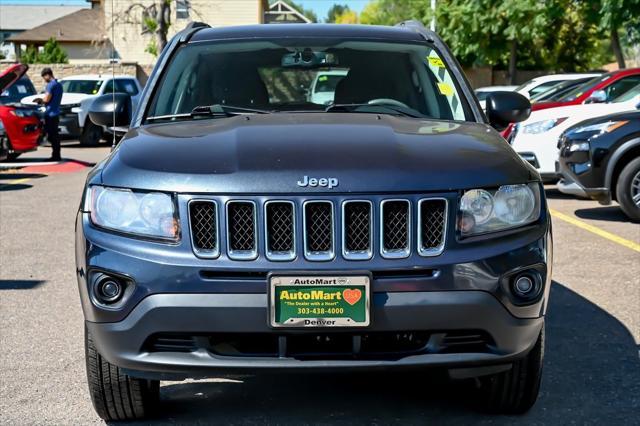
{"x": 67, "y": 166}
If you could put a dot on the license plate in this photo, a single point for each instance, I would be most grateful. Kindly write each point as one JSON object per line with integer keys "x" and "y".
{"x": 319, "y": 301}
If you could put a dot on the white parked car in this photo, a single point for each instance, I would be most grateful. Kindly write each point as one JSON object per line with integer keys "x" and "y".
{"x": 323, "y": 87}
{"x": 536, "y": 139}
{"x": 79, "y": 91}
{"x": 541, "y": 84}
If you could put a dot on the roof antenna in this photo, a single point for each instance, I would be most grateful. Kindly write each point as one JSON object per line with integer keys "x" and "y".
{"x": 113, "y": 77}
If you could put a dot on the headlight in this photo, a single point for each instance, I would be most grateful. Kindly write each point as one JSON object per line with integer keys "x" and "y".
{"x": 541, "y": 126}
{"x": 151, "y": 214}
{"x": 21, "y": 113}
{"x": 579, "y": 146}
{"x": 510, "y": 206}
{"x": 600, "y": 128}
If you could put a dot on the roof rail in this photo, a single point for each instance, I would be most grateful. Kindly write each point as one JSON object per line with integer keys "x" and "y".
{"x": 191, "y": 29}
{"x": 196, "y": 24}
{"x": 417, "y": 25}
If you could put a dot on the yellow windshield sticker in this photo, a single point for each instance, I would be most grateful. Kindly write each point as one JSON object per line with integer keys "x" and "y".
{"x": 436, "y": 62}
{"x": 445, "y": 89}
{"x": 323, "y": 78}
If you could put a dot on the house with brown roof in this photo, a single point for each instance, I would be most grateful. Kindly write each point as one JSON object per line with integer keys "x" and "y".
{"x": 81, "y": 34}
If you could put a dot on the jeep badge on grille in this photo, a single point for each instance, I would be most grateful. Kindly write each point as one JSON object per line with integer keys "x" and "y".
{"x": 315, "y": 182}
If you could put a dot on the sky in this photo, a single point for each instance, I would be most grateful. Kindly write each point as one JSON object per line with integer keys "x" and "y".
{"x": 320, "y": 7}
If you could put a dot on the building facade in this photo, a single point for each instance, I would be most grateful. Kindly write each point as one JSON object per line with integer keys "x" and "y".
{"x": 133, "y": 44}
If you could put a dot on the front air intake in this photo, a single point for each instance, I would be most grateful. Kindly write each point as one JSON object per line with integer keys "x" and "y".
{"x": 241, "y": 230}
{"x": 318, "y": 230}
{"x": 395, "y": 228}
{"x": 203, "y": 216}
{"x": 357, "y": 230}
{"x": 280, "y": 230}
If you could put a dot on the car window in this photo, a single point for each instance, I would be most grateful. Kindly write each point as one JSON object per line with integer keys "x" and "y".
{"x": 629, "y": 94}
{"x": 541, "y": 88}
{"x": 580, "y": 90}
{"x": 87, "y": 87}
{"x": 560, "y": 90}
{"x": 277, "y": 75}
{"x": 17, "y": 91}
{"x": 123, "y": 85}
{"x": 622, "y": 86}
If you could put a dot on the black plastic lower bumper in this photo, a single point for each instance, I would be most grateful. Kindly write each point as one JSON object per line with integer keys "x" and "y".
{"x": 125, "y": 343}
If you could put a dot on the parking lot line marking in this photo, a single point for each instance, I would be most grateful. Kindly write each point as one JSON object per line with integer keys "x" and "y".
{"x": 604, "y": 234}
{"x": 14, "y": 182}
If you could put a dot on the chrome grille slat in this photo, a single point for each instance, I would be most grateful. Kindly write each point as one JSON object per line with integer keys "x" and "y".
{"x": 395, "y": 228}
{"x": 432, "y": 226}
{"x": 241, "y": 230}
{"x": 388, "y": 230}
{"x": 357, "y": 230}
{"x": 319, "y": 230}
{"x": 279, "y": 227}
{"x": 203, "y": 219}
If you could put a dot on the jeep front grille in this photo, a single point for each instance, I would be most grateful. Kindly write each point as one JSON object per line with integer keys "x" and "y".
{"x": 204, "y": 227}
{"x": 356, "y": 230}
{"x": 280, "y": 230}
{"x": 394, "y": 228}
{"x": 317, "y": 230}
{"x": 241, "y": 230}
{"x": 432, "y": 230}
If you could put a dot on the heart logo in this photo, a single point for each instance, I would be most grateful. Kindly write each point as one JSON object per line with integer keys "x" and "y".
{"x": 351, "y": 296}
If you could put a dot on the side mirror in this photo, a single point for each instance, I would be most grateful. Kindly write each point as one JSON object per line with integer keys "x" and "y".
{"x": 507, "y": 107}
{"x": 597, "y": 97}
{"x": 101, "y": 111}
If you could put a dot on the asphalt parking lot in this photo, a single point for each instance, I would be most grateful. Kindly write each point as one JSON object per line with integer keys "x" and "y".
{"x": 592, "y": 364}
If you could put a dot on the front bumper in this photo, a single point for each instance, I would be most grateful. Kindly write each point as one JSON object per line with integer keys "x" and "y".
{"x": 462, "y": 292}
{"x": 69, "y": 125}
{"x": 206, "y": 316}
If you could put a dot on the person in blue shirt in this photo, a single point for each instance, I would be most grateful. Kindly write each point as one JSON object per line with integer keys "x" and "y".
{"x": 51, "y": 100}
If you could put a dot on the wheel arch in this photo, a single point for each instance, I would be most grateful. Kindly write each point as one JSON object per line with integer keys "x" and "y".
{"x": 620, "y": 158}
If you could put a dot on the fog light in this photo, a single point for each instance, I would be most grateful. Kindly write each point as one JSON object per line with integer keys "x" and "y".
{"x": 523, "y": 286}
{"x": 109, "y": 291}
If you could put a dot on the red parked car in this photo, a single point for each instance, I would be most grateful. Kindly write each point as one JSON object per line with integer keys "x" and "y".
{"x": 22, "y": 125}
{"x": 604, "y": 88}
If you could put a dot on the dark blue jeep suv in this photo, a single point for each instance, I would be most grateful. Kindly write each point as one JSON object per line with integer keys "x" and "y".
{"x": 239, "y": 227}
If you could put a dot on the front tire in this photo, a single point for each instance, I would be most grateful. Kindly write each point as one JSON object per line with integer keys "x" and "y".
{"x": 91, "y": 134}
{"x": 628, "y": 190}
{"x": 515, "y": 391}
{"x": 115, "y": 395}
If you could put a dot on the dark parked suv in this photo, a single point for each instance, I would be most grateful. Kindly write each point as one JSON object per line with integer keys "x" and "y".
{"x": 239, "y": 228}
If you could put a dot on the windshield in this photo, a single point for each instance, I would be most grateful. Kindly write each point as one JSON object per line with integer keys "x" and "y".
{"x": 580, "y": 90}
{"x": 558, "y": 90}
{"x": 88, "y": 87}
{"x": 284, "y": 75}
{"x": 17, "y": 91}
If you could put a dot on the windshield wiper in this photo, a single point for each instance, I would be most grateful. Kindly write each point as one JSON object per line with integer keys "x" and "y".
{"x": 216, "y": 110}
{"x": 227, "y": 110}
{"x": 375, "y": 108}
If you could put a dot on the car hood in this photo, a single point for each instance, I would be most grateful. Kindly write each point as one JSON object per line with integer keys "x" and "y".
{"x": 270, "y": 153}
{"x": 11, "y": 75}
{"x": 67, "y": 98}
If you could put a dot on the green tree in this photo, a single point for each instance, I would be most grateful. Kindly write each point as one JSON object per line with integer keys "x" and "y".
{"x": 335, "y": 11}
{"x": 613, "y": 16}
{"x": 52, "y": 53}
